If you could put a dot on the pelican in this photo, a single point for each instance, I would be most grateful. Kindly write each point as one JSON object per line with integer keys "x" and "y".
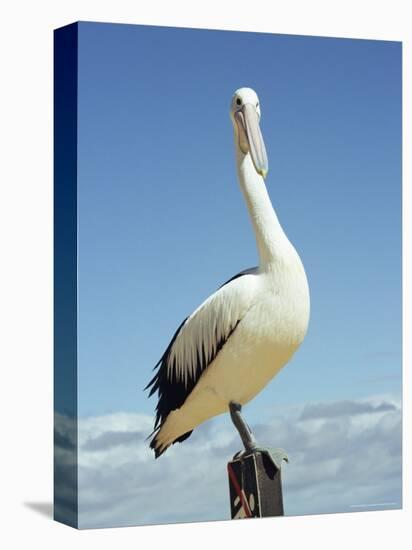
{"x": 239, "y": 338}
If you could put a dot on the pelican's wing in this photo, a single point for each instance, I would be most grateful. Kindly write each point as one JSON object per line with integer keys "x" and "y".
{"x": 197, "y": 342}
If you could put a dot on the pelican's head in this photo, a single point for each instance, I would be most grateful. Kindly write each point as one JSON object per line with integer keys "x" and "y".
{"x": 245, "y": 115}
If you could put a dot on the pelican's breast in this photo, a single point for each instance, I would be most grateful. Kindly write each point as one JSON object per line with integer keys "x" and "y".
{"x": 265, "y": 339}
{"x": 280, "y": 315}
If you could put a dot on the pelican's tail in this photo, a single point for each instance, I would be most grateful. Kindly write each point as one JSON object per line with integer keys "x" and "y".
{"x": 170, "y": 432}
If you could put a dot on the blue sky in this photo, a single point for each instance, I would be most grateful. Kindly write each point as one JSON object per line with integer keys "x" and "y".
{"x": 162, "y": 222}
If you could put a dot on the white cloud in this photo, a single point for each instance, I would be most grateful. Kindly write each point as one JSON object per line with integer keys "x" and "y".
{"x": 344, "y": 456}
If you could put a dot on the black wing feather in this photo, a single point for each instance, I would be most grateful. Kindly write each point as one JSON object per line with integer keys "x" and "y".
{"x": 172, "y": 390}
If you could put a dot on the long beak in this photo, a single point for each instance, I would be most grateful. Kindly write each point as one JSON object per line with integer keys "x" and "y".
{"x": 250, "y": 137}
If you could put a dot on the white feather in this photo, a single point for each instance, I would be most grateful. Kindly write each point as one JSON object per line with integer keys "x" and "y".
{"x": 209, "y": 324}
{"x": 269, "y": 307}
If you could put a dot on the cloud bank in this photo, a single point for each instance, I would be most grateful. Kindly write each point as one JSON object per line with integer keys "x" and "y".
{"x": 344, "y": 456}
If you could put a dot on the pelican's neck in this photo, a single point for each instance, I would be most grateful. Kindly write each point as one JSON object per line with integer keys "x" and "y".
{"x": 271, "y": 240}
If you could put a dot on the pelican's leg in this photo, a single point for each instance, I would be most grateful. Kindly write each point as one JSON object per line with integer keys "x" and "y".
{"x": 276, "y": 456}
{"x": 244, "y": 431}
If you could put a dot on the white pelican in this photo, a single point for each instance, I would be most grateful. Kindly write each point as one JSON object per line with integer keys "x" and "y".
{"x": 238, "y": 339}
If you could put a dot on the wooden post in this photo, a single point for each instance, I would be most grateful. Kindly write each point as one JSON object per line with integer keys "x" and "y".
{"x": 255, "y": 487}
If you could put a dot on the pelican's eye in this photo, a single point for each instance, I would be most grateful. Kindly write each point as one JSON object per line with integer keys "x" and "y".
{"x": 238, "y": 101}
{"x": 257, "y": 105}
